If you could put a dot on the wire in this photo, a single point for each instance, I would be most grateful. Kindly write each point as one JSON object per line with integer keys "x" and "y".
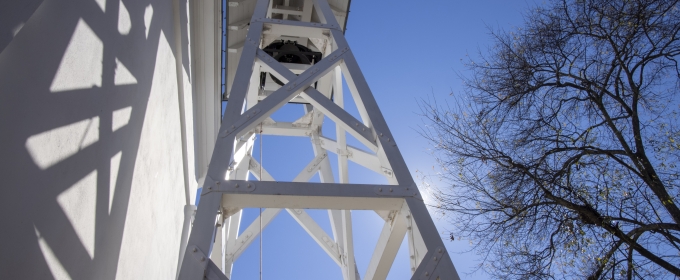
{"x": 261, "y": 138}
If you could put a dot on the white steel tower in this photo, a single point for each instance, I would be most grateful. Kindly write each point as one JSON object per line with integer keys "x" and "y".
{"x": 295, "y": 51}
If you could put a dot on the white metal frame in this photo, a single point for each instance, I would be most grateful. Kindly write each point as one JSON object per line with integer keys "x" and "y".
{"x": 226, "y": 189}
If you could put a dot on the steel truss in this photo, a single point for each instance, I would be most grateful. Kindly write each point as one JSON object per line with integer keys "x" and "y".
{"x": 226, "y": 189}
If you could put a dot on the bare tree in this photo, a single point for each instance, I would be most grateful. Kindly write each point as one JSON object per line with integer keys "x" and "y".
{"x": 562, "y": 157}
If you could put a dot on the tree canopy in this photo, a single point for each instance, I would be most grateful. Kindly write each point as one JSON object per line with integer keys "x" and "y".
{"x": 562, "y": 155}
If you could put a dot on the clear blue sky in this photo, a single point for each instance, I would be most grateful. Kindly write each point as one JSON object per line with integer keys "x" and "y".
{"x": 407, "y": 50}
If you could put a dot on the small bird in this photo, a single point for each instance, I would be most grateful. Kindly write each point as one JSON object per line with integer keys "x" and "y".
{"x": 452, "y": 238}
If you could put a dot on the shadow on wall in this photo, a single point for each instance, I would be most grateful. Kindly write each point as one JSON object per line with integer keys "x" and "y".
{"x": 91, "y": 163}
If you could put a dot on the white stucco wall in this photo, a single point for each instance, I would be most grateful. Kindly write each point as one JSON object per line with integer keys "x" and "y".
{"x": 91, "y": 160}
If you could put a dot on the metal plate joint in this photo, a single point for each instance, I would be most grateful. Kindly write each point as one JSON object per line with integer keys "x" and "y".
{"x": 235, "y": 187}
{"x": 198, "y": 257}
{"x": 431, "y": 266}
{"x": 397, "y": 191}
{"x": 242, "y": 120}
{"x": 388, "y": 172}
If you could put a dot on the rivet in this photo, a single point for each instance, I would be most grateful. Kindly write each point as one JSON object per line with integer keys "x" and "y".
{"x": 435, "y": 258}
{"x": 440, "y": 250}
{"x": 195, "y": 250}
{"x": 427, "y": 273}
{"x": 210, "y": 188}
{"x": 248, "y": 185}
{"x": 390, "y": 189}
{"x": 236, "y": 186}
{"x": 218, "y": 182}
{"x": 381, "y": 134}
{"x": 356, "y": 124}
{"x": 202, "y": 259}
{"x": 407, "y": 189}
{"x": 379, "y": 189}
{"x": 233, "y": 127}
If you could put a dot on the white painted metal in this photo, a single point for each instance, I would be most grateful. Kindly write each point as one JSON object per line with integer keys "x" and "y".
{"x": 226, "y": 190}
{"x": 317, "y": 233}
{"x": 205, "y": 52}
{"x": 388, "y": 244}
{"x": 416, "y": 245}
{"x": 349, "y": 267}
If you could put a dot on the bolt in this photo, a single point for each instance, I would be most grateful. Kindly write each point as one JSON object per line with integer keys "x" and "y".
{"x": 202, "y": 259}
{"x": 249, "y": 186}
{"x": 427, "y": 273}
{"x": 195, "y": 250}
{"x": 440, "y": 250}
{"x": 210, "y": 188}
{"x": 379, "y": 189}
{"x": 390, "y": 189}
{"x": 381, "y": 134}
{"x": 435, "y": 258}
{"x": 236, "y": 186}
{"x": 218, "y": 182}
{"x": 407, "y": 189}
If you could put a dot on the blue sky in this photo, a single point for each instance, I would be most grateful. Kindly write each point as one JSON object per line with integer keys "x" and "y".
{"x": 407, "y": 50}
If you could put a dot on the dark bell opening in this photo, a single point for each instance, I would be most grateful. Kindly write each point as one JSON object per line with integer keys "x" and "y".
{"x": 289, "y": 52}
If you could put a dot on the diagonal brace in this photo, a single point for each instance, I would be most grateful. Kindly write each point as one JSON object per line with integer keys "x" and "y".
{"x": 325, "y": 105}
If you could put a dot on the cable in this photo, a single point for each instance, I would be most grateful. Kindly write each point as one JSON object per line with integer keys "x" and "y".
{"x": 261, "y": 175}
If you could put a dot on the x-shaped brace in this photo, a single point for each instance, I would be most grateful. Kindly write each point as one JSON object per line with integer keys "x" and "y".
{"x": 302, "y": 85}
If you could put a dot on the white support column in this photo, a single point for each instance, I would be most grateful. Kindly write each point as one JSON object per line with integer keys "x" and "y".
{"x": 217, "y": 253}
{"x": 254, "y": 87}
{"x": 234, "y": 223}
{"x": 350, "y": 268}
{"x": 204, "y": 55}
{"x": 386, "y": 250}
{"x": 339, "y": 129}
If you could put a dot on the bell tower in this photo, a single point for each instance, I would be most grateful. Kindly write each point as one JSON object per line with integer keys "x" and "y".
{"x": 296, "y": 52}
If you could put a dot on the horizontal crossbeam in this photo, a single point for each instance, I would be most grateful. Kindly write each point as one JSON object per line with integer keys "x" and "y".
{"x": 309, "y": 189}
{"x": 247, "y": 194}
